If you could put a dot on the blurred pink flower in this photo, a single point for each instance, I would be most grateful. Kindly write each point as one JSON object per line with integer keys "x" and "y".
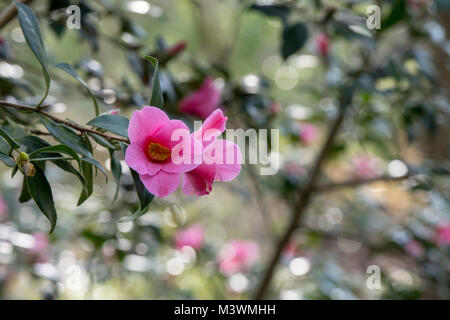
{"x": 150, "y": 150}
{"x": 365, "y": 167}
{"x": 308, "y": 133}
{"x": 193, "y": 236}
{"x": 3, "y": 209}
{"x": 323, "y": 44}
{"x": 414, "y": 248}
{"x": 41, "y": 247}
{"x": 176, "y": 48}
{"x": 221, "y": 158}
{"x": 289, "y": 250}
{"x": 443, "y": 234}
{"x": 274, "y": 108}
{"x": 202, "y": 102}
{"x": 237, "y": 256}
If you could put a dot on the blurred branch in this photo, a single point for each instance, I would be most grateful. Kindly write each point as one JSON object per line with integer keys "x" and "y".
{"x": 355, "y": 183}
{"x": 73, "y": 125}
{"x": 303, "y": 202}
{"x": 9, "y": 13}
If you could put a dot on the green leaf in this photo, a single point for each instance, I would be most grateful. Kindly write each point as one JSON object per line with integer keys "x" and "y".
{"x": 32, "y": 33}
{"x": 86, "y": 169}
{"x": 397, "y": 14}
{"x": 145, "y": 197}
{"x": 112, "y": 122}
{"x": 294, "y": 38}
{"x": 157, "y": 99}
{"x": 12, "y": 143}
{"x": 7, "y": 160}
{"x": 116, "y": 170}
{"x": 96, "y": 164}
{"x": 24, "y": 194}
{"x": 33, "y": 143}
{"x": 56, "y": 149}
{"x": 68, "y": 68}
{"x": 41, "y": 192}
{"x": 66, "y": 136}
{"x": 102, "y": 141}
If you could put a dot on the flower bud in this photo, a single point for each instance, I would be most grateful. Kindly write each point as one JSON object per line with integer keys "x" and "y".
{"x": 28, "y": 169}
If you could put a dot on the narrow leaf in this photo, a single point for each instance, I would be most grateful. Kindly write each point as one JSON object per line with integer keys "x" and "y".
{"x": 32, "y": 33}
{"x": 294, "y": 38}
{"x": 145, "y": 197}
{"x": 12, "y": 143}
{"x": 41, "y": 192}
{"x": 116, "y": 170}
{"x": 68, "y": 68}
{"x": 157, "y": 99}
{"x": 112, "y": 122}
{"x": 68, "y": 137}
{"x": 7, "y": 160}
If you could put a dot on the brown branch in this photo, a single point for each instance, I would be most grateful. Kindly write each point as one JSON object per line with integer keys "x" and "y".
{"x": 302, "y": 203}
{"x": 9, "y": 13}
{"x": 73, "y": 125}
{"x": 355, "y": 183}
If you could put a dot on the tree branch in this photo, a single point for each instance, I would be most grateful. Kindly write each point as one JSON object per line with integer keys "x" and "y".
{"x": 302, "y": 203}
{"x": 9, "y": 13}
{"x": 73, "y": 125}
{"x": 355, "y": 183}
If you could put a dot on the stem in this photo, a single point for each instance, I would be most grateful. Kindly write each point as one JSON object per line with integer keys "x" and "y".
{"x": 9, "y": 13}
{"x": 301, "y": 205}
{"x": 73, "y": 125}
{"x": 355, "y": 183}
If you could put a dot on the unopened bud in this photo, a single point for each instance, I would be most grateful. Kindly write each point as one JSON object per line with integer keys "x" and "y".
{"x": 22, "y": 158}
{"x": 28, "y": 169}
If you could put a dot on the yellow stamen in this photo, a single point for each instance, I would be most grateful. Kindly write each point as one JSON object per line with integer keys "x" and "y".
{"x": 157, "y": 152}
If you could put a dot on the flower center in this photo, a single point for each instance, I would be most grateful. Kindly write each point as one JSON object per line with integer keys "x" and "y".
{"x": 157, "y": 152}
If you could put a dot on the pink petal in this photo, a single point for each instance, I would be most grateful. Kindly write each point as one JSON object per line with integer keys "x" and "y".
{"x": 203, "y": 101}
{"x": 199, "y": 181}
{"x": 228, "y": 159}
{"x": 213, "y": 126}
{"x": 164, "y": 135}
{"x": 186, "y": 155}
{"x": 145, "y": 122}
{"x": 137, "y": 160}
{"x": 161, "y": 184}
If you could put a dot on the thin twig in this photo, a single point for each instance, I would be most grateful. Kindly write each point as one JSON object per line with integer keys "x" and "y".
{"x": 301, "y": 205}
{"x": 355, "y": 183}
{"x": 9, "y": 13}
{"x": 73, "y": 125}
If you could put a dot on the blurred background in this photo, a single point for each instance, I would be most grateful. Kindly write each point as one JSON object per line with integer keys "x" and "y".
{"x": 378, "y": 223}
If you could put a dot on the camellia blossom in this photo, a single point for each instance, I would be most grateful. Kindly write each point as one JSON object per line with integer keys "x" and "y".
{"x": 365, "y": 167}
{"x": 202, "y": 102}
{"x": 308, "y": 133}
{"x": 150, "y": 153}
{"x": 323, "y": 44}
{"x": 221, "y": 158}
{"x": 237, "y": 255}
{"x": 194, "y": 237}
{"x": 443, "y": 235}
{"x": 414, "y": 248}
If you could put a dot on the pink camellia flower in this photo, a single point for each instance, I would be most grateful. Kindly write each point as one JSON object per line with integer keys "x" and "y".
{"x": 308, "y": 133}
{"x": 193, "y": 236}
{"x": 274, "y": 108}
{"x": 202, "y": 102}
{"x": 221, "y": 158}
{"x": 323, "y": 44}
{"x": 365, "y": 167}
{"x": 237, "y": 256}
{"x": 443, "y": 235}
{"x": 154, "y": 141}
{"x": 414, "y": 248}
{"x": 3, "y": 209}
